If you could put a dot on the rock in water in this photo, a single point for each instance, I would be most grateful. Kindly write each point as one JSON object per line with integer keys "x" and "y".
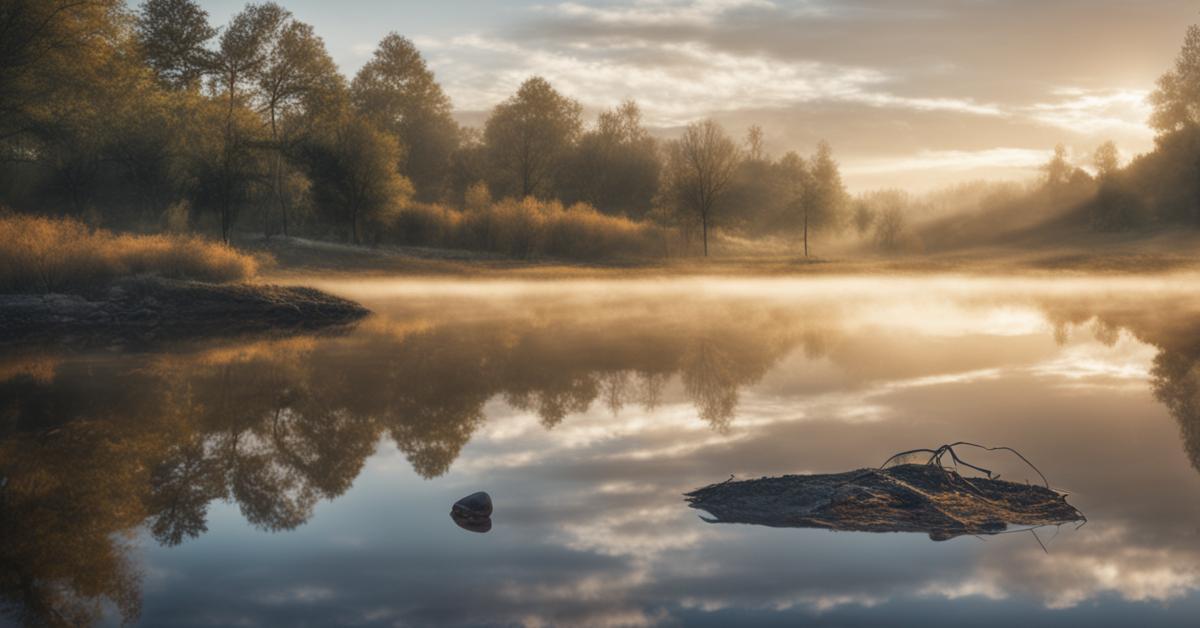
{"x": 473, "y": 506}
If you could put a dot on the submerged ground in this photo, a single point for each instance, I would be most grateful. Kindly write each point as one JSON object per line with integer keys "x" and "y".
{"x": 308, "y": 479}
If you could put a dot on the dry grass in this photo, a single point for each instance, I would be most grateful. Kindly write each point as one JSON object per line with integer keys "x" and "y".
{"x": 53, "y": 255}
{"x": 528, "y": 229}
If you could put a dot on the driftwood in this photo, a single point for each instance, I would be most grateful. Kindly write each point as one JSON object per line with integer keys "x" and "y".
{"x": 929, "y": 498}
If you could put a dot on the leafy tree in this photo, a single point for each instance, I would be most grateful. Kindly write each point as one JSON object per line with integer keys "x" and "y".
{"x": 1177, "y": 100}
{"x": 1107, "y": 160}
{"x": 398, "y": 92}
{"x": 50, "y": 48}
{"x": 699, "y": 167}
{"x": 353, "y": 171}
{"x": 174, "y": 36}
{"x": 1114, "y": 207}
{"x": 863, "y": 218}
{"x": 242, "y": 56}
{"x": 223, "y": 160}
{"x": 1058, "y": 169}
{"x": 616, "y": 166}
{"x": 297, "y": 78}
{"x": 825, "y": 198}
{"x": 528, "y": 137}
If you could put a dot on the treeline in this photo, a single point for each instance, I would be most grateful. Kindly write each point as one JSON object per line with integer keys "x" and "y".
{"x": 152, "y": 117}
{"x": 1158, "y": 190}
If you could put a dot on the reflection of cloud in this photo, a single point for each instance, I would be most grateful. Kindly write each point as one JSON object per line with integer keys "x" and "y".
{"x": 1088, "y": 565}
{"x": 643, "y": 533}
{"x": 297, "y": 595}
{"x": 1126, "y": 361}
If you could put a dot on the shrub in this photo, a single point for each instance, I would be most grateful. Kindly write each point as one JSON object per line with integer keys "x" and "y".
{"x": 528, "y": 228}
{"x": 48, "y": 255}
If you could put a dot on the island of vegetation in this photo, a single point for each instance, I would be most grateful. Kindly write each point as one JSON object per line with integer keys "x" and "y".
{"x": 61, "y": 281}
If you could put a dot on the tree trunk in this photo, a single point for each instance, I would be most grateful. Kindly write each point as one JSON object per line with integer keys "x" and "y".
{"x": 354, "y": 225}
{"x": 704, "y": 223}
{"x": 806, "y": 233}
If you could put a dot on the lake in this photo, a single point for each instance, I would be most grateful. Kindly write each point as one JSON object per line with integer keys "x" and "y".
{"x": 308, "y": 480}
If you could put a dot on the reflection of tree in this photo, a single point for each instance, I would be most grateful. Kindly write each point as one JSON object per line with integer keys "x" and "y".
{"x": 1173, "y": 328}
{"x": 714, "y": 368}
{"x": 711, "y": 381}
{"x": 91, "y": 448}
{"x": 1176, "y": 381}
{"x": 181, "y": 487}
{"x": 63, "y": 529}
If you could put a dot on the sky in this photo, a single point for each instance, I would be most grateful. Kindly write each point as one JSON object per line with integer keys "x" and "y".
{"x": 915, "y": 94}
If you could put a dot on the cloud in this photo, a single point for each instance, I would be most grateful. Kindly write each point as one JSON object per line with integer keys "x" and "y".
{"x": 675, "y": 82}
{"x": 1098, "y": 111}
{"x": 955, "y": 160}
{"x": 658, "y": 12}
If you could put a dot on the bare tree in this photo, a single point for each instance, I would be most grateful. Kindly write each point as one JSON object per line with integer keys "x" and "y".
{"x": 700, "y": 166}
{"x": 754, "y": 144}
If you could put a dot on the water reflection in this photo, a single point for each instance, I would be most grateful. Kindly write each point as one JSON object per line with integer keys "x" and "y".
{"x": 93, "y": 446}
{"x": 96, "y": 449}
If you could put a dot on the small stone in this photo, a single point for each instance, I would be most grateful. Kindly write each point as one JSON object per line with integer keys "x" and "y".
{"x": 473, "y": 506}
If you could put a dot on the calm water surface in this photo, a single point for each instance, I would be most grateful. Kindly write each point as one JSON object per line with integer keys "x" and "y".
{"x": 308, "y": 481}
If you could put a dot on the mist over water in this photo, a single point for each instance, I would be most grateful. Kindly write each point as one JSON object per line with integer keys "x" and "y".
{"x": 309, "y": 479}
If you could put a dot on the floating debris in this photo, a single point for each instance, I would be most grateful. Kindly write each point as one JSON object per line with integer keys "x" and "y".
{"x": 929, "y": 497}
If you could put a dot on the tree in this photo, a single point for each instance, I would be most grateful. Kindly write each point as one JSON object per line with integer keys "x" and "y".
{"x": 825, "y": 198}
{"x": 889, "y": 228}
{"x": 615, "y": 167}
{"x": 1058, "y": 169}
{"x": 528, "y": 136}
{"x": 699, "y": 168}
{"x": 296, "y": 72}
{"x": 173, "y": 35}
{"x": 398, "y": 92}
{"x": 50, "y": 50}
{"x": 754, "y": 144}
{"x": 1177, "y": 100}
{"x": 354, "y": 176}
{"x": 242, "y": 56}
{"x": 222, "y": 159}
{"x": 1107, "y": 160}
{"x": 864, "y": 217}
{"x": 1114, "y": 206}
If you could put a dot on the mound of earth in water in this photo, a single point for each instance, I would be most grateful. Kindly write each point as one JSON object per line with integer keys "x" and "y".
{"x": 143, "y": 310}
{"x": 904, "y": 498}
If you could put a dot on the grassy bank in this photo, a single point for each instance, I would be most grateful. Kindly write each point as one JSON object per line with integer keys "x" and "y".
{"x": 42, "y": 255}
{"x": 1099, "y": 254}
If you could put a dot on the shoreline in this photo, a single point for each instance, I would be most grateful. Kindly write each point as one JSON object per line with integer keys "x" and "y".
{"x": 145, "y": 310}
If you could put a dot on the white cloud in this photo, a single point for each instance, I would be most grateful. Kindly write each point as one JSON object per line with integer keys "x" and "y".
{"x": 675, "y": 82}
{"x": 658, "y": 12}
{"x": 954, "y": 160}
{"x": 1092, "y": 112}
